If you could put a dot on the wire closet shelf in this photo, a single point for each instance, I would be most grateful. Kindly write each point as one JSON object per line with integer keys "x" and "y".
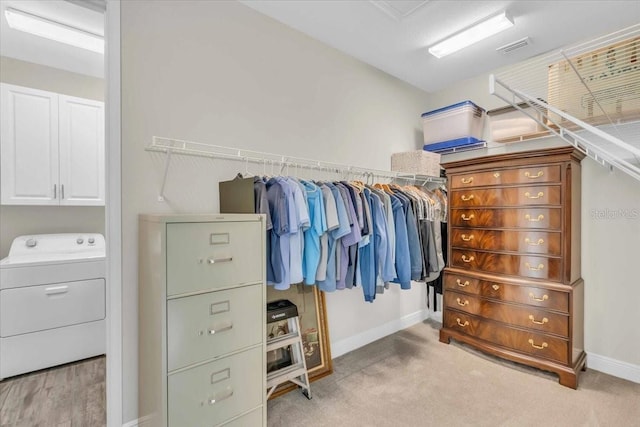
{"x": 587, "y": 94}
{"x": 285, "y": 163}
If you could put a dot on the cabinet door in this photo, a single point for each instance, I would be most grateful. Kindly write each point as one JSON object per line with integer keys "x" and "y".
{"x": 82, "y": 170}
{"x": 29, "y": 146}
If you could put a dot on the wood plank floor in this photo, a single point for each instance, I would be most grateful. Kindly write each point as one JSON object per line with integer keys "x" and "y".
{"x": 71, "y": 395}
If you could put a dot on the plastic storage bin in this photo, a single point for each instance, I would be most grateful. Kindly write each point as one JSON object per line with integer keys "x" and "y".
{"x": 462, "y": 120}
{"x": 460, "y": 144}
{"x": 508, "y": 124}
{"x": 417, "y": 162}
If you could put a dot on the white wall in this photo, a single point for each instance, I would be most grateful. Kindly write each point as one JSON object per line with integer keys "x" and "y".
{"x": 609, "y": 245}
{"x": 220, "y": 73}
{"x": 21, "y": 220}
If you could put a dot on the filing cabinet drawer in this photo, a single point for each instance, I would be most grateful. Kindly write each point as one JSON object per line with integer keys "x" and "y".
{"x": 203, "y": 256}
{"x": 525, "y": 175}
{"x": 253, "y": 418}
{"x": 205, "y": 326}
{"x": 530, "y": 295}
{"x": 517, "y": 315}
{"x": 507, "y": 196}
{"x": 532, "y": 218}
{"x": 210, "y": 394}
{"x": 524, "y": 341}
{"x": 533, "y": 242}
{"x": 534, "y": 267}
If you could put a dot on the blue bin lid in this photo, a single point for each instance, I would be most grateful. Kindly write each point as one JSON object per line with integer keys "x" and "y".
{"x": 467, "y": 140}
{"x": 451, "y": 107}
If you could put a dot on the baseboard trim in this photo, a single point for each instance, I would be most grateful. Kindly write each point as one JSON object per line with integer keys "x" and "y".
{"x": 617, "y": 368}
{"x": 346, "y": 345}
{"x": 139, "y": 422}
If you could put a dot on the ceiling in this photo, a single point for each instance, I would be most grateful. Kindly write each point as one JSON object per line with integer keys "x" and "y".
{"x": 393, "y": 35}
{"x": 83, "y": 14}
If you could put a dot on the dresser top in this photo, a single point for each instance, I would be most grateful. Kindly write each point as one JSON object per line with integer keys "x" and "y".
{"x": 521, "y": 158}
{"x": 181, "y": 218}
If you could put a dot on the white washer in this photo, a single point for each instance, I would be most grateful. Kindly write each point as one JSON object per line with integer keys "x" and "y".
{"x": 52, "y": 301}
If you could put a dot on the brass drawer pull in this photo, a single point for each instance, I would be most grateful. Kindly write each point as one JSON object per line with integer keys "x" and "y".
{"x": 462, "y": 285}
{"x": 538, "y": 175}
{"x": 530, "y": 243}
{"x": 539, "y": 347}
{"x": 528, "y": 218}
{"x": 466, "y": 322}
{"x": 462, "y": 303}
{"x": 467, "y": 198}
{"x": 538, "y": 322}
{"x": 538, "y": 268}
{"x": 465, "y": 259}
{"x": 529, "y": 196}
{"x": 467, "y": 218}
{"x": 495, "y": 287}
{"x": 496, "y": 175}
{"x": 467, "y": 238}
{"x": 533, "y": 297}
{"x": 467, "y": 180}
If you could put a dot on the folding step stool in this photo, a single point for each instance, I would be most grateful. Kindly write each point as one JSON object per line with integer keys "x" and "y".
{"x": 297, "y": 371}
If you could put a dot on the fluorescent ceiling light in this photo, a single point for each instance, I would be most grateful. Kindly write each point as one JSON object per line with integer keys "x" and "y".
{"x": 23, "y": 21}
{"x": 471, "y": 35}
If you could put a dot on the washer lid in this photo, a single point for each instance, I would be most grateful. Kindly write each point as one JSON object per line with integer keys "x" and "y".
{"x": 46, "y": 248}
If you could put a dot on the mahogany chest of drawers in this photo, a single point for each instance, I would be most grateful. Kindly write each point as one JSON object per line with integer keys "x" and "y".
{"x": 512, "y": 286}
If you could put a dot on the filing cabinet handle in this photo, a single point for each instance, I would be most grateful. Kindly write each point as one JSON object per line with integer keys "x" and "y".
{"x": 217, "y": 331}
{"x": 530, "y": 243}
{"x": 466, "y": 322}
{"x": 465, "y": 259}
{"x": 467, "y": 198}
{"x": 218, "y": 260}
{"x": 530, "y": 176}
{"x": 530, "y": 219}
{"x": 467, "y": 180}
{"x": 462, "y": 303}
{"x": 538, "y": 322}
{"x": 538, "y": 268}
{"x": 467, "y": 238}
{"x": 533, "y": 297}
{"x": 539, "y": 347}
{"x": 537, "y": 196}
{"x": 225, "y": 396}
{"x": 462, "y": 285}
{"x": 467, "y": 218}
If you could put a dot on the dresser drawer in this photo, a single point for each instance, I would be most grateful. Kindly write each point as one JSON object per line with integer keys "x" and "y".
{"x": 530, "y": 295}
{"x": 210, "y": 394}
{"x": 506, "y": 196}
{"x": 535, "y": 267}
{"x": 203, "y": 256}
{"x": 533, "y": 242}
{"x": 523, "y": 341}
{"x": 202, "y": 327}
{"x": 525, "y": 175}
{"x": 517, "y": 315}
{"x": 532, "y": 218}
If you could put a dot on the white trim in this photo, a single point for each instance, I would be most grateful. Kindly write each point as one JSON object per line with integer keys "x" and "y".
{"x": 113, "y": 216}
{"x": 346, "y": 345}
{"x": 139, "y": 422}
{"x": 617, "y": 368}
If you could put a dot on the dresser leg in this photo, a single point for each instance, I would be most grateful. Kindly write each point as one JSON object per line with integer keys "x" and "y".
{"x": 568, "y": 379}
{"x": 444, "y": 337}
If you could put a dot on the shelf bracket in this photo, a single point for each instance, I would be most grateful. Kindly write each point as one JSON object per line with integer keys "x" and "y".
{"x": 164, "y": 177}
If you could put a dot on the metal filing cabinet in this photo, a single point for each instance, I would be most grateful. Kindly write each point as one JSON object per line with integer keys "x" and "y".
{"x": 202, "y": 320}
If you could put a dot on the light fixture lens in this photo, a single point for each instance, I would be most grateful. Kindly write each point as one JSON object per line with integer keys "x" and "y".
{"x": 472, "y": 35}
{"x": 52, "y": 30}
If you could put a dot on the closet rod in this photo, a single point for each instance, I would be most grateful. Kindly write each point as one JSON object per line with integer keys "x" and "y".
{"x": 198, "y": 149}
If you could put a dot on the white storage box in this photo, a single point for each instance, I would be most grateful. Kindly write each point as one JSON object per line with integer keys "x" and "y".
{"x": 461, "y": 120}
{"x": 417, "y": 162}
{"x": 509, "y": 124}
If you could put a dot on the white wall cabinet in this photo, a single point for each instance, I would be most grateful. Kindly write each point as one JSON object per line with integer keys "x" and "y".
{"x": 52, "y": 148}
